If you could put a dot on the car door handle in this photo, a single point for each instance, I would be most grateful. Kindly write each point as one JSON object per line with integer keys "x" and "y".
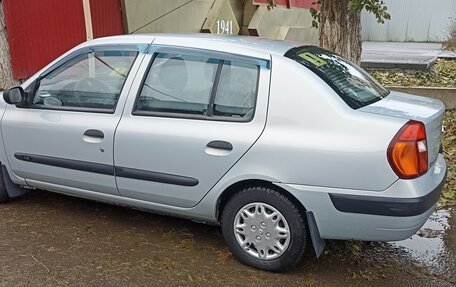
{"x": 94, "y": 134}
{"x": 220, "y": 145}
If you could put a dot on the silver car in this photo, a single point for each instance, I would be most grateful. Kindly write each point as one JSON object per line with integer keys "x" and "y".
{"x": 282, "y": 144}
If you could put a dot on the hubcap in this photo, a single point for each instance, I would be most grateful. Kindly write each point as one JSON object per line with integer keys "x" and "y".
{"x": 261, "y": 231}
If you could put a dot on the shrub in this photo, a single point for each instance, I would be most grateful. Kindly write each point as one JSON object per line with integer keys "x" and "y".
{"x": 450, "y": 43}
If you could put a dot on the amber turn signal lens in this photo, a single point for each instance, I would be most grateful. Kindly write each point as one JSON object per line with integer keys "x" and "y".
{"x": 407, "y": 153}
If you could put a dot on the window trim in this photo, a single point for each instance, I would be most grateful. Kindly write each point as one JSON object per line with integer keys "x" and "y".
{"x": 73, "y": 109}
{"x": 198, "y": 52}
{"x": 221, "y": 57}
{"x": 83, "y": 51}
{"x": 215, "y": 85}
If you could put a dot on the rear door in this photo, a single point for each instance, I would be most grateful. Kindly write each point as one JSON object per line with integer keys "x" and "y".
{"x": 195, "y": 114}
{"x": 63, "y": 138}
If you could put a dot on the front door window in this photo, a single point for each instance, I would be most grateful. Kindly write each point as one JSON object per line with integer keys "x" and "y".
{"x": 90, "y": 81}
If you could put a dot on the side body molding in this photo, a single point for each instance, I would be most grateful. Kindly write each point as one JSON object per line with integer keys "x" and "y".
{"x": 109, "y": 169}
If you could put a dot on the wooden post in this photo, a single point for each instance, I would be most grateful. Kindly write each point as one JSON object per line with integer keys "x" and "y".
{"x": 88, "y": 19}
{"x": 6, "y": 74}
{"x": 89, "y": 33}
{"x": 123, "y": 7}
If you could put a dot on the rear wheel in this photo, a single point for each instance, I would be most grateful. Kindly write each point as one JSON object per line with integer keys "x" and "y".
{"x": 264, "y": 229}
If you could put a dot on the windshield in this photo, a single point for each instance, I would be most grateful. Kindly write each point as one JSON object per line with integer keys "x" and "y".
{"x": 354, "y": 85}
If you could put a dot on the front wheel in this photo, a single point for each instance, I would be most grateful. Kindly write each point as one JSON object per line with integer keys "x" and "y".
{"x": 264, "y": 229}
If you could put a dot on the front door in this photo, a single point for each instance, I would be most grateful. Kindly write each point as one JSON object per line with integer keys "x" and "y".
{"x": 63, "y": 138}
{"x": 195, "y": 115}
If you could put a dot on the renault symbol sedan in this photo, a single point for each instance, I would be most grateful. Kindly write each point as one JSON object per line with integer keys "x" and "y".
{"x": 282, "y": 144}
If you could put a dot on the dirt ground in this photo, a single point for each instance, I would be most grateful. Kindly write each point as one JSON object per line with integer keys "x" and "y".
{"x": 48, "y": 239}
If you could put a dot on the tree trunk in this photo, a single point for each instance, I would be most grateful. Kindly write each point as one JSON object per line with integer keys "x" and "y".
{"x": 6, "y": 75}
{"x": 340, "y": 29}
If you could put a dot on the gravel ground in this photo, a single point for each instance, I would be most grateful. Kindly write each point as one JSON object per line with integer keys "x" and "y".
{"x": 54, "y": 240}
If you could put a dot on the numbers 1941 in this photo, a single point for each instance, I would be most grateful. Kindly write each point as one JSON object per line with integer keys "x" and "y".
{"x": 224, "y": 26}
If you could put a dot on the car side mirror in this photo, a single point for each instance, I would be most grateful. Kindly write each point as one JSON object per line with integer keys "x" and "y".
{"x": 14, "y": 96}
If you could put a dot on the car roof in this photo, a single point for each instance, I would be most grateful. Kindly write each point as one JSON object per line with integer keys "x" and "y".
{"x": 243, "y": 45}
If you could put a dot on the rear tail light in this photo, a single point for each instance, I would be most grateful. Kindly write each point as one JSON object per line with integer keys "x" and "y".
{"x": 408, "y": 152}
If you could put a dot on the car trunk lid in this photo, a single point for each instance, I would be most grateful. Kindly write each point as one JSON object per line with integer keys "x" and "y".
{"x": 426, "y": 110}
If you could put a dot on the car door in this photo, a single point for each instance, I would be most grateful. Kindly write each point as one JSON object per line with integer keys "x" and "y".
{"x": 62, "y": 138}
{"x": 196, "y": 113}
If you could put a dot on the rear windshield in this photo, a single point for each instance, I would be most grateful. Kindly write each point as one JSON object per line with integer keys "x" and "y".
{"x": 354, "y": 85}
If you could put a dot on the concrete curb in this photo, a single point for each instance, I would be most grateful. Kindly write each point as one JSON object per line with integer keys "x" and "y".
{"x": 405, "y": 64}
{"x": 446, "y": 95}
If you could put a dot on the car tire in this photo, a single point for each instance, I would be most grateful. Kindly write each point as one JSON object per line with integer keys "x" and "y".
{"x": 4, "y": 197}
{"x": 254, "y": 223}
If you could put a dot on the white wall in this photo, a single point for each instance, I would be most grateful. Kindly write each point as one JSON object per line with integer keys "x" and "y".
{"x": 411, "y": 21}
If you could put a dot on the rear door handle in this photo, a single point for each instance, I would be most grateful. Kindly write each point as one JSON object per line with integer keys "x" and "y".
{"x": 94, "y": 134}
{"x": 220, "y": 145}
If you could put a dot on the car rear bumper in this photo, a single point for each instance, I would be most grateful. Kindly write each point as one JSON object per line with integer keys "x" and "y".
{"x": 387, "y": 206}
{"x": 390, "y": 215}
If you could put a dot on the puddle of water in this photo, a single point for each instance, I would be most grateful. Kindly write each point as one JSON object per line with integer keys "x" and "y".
{"x": 434, "y": 245}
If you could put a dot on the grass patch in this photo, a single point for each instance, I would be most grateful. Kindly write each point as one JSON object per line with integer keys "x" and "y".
{"x": 449, "y": 143}
{"x": 441, "y": 74}
{"x": 450, "y": 43}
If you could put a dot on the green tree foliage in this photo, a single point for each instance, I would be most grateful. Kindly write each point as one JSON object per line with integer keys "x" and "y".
{"x": 376, "y": 7}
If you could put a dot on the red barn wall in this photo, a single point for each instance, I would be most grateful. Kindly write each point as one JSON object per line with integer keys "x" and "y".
{"x": 40, "y": 31}
{"x": 106, "y": 18}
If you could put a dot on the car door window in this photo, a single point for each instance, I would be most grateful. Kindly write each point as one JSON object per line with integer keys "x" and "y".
{"x": 178, "y": 84}
{"x": 236, "y": 91}
{"x": 90, "y": 81}
{"x": 200, "y": 87}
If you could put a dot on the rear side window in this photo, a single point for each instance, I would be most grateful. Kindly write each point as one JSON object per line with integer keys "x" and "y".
{"x": 354, "y": 85}
{"x": 236, "y": 92}
{"x": 180, "y": 85}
